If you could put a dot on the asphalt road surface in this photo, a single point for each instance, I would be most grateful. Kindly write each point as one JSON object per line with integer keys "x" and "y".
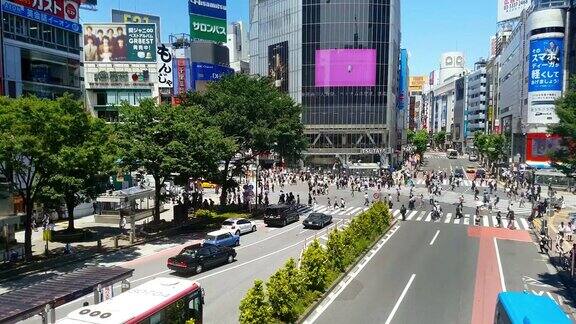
{"x": 438, "y": 259}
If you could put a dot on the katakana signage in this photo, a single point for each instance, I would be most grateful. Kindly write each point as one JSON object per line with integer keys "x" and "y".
{"x": 207, "y": 28}
{"x": 61, "y": 14}
{"x": 545, "y": 80}
{"x": 546, "y": 64}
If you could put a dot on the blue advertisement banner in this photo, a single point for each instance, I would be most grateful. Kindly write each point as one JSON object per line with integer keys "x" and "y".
{"x": 546, "y": 64}
{"x": 209, "y": 8}
{"x": 209, "y": 72}
{"x": 41, "y": 17}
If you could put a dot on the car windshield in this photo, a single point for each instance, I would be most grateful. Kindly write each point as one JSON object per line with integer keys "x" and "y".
{"x": 228, "y": 223}
{"x": 211, "y": 237}
{"x": 189, "y": 252}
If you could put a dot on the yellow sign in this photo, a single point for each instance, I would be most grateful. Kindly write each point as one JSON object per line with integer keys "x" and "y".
{"x": 490, "y": 113}
{"x": 417, "y": 83}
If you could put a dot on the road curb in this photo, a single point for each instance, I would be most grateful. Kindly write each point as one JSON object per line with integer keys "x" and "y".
{"x": 312, "y": 308}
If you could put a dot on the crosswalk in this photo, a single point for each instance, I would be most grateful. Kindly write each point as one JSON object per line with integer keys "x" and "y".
{"x": 421, "y": 216}
{"x": 463, "y": 183}
{"x": 520, "y": 223}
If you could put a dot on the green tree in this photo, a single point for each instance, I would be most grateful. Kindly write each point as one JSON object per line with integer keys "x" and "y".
{"x": 31, "y": 135}
{"x": 83, "y": 161}
{"x": 440, "y": 139}
{"x": 254, "y": 307}
{"x": 163, "y": 140}
{"x": 258, "y": 116}
{"x": 492, "y": 147}
{"x": 420, "y": 140}
{"x": 564, "y": 158}
{"x": 283, "y": 295}
{"x": 314, "y": 267}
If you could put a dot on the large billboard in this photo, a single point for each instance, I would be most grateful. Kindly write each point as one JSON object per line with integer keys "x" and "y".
{"x": 58, "y": 13}
{"x": 278, "y": 65}
{"x": 208, "y": 8}
{"x": 345, "y": 68}
{"x": 120, "y": 43}
{"x": 207, "y": 28}
{"x": 120, "y": 16}
{"x": 202, "y": 73}
{"x": 545, "y": 79}
{"x": 164, "y": 67}
{"x": 511, "y": 9}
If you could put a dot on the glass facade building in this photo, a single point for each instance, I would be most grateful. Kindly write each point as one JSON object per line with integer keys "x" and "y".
{"x": 340, "y": 60}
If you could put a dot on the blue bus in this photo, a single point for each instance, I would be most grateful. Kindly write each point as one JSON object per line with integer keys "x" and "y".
{"x": 527, "y": 308}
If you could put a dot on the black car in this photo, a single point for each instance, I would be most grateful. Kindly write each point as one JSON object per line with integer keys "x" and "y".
{"x": 281, "y": 215}
{"x": 195, "y": 258}
{"x": 459, "y": 172}
{"x": 317, "y": 220}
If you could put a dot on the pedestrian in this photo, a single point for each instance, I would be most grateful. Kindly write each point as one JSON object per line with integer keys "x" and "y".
{"x": 403, "y": 212}
{"x": 366, "y": 200}
{"x": 309, "y": 199}
{"x": 342, "y": 203}
{"x": 122, "y": 224}
{"x": 298, "y": 200}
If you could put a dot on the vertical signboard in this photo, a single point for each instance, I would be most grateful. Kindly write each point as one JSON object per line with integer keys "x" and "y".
{"x": 164, "y": 67}
{"x": 545, "y": 79}
{"x": 278, "y": 65}
{"x": 208, "y": 20}
{"x": 182, "y": 82}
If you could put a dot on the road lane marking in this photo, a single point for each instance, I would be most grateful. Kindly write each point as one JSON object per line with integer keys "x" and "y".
{"x": 399, "y": 301}
{"x": 485, "y": 222}
{"x": 422, "y": 214}
{"x": 349, "y": 278}
{"x": 412, "y": 214}
{"x": 467, "y": 219}
{"x": 434, "y": 238}
{"x": 494, "y": 221}
{"x": 395, "y": 213}
{"x": 448, "y": 217}
{"x": 524, "y": 223}
{"x": 502, "y": 283}
{"x": 297, "y": 225}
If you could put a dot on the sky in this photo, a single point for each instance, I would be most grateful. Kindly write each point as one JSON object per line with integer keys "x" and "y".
{"x": 429, "y": 27}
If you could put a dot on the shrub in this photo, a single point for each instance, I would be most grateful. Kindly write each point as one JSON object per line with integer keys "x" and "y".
{"x": 337, "y": 252}
{"x": 254, "y": 307}
{"x": 314, "y": 267}
{"x": 282, "y": 296}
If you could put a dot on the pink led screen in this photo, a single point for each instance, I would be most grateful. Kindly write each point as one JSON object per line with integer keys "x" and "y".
{"x": 346, "y": 68}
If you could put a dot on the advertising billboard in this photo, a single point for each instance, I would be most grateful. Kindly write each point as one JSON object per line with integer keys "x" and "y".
{"x": 202, "y": 73}
{"x": 183, "y": 80}
{"x": 120, "y": 16}
{"x": 207, "y": 28}
{"x": 119, "y": 43}
{"x": 208, "y": 8}
{"x": 345, "y": 68}
{"x": 511, "y": 9}
{"x": 545, "y": 79}
{"x": 417, "y": 83}
{"x": 57, "y": 13}
{"x": 539, "y": 146}
{"x": 164, "y": 67}
{"x": 278, "y": 65}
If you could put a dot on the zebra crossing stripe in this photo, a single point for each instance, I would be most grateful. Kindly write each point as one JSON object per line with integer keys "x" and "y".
{"x": 485, "y": 222}
{"x": 428, "y": 217}
{"x": 516, "y": 225}
{"x": 467, "y": 219}
{"x": 524, "y": 223}
{"x": 395, "y": 213}
{"x": 354, "y": 211}
{"x": 412, "y": 214}
{"x": 448, "y": 217}
{"x": 494, "y": 221}
{"x": 422, "y": 214}
{"x": 456, "y": 220}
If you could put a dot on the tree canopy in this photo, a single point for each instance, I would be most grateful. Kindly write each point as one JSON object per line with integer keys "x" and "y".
{"x": 564, "y": 159}
{"x": 420, "y": 140}
{"x": 259, "y": 117}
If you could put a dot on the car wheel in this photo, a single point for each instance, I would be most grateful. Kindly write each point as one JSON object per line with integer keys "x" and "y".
{"x": 237, "y": 233}
{"x": 198, "y": 268}
{"x": 230, "y": 258}
{"x": 253, "y": 228}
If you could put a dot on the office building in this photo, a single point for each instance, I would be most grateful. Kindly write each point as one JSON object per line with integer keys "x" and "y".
{"x": 40, "y": 49}
{"x": 239, "y": 46}
{"x": 476, "y": 100}
{"x": 340, "y": 61}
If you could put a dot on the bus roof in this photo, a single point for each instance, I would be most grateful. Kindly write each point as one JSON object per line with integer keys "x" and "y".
{"x": 151, "y": 295}
{"x": 524, "y": 307}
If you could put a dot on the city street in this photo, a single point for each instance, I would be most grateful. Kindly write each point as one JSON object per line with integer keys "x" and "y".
{"x": 441, "y": 259}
